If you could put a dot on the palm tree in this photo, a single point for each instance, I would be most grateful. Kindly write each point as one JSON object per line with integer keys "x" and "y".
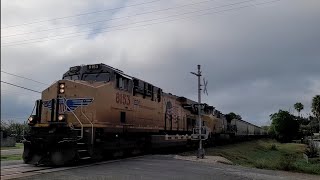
{"x": 298, "y": 106}
{"x": 316, "y": 108}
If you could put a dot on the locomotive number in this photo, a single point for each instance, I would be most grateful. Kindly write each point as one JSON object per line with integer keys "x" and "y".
{"x": 123, "y": 99}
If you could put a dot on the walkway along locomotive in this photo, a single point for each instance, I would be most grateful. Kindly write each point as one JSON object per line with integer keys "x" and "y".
{"x": 97, "y": 110}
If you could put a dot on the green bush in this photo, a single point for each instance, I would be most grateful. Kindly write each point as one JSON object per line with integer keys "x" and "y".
{"x": 286, "y": 162}
{"x": 264, "y": 164}
{"x": 273, "y": 147}
{"x": 313, "y": 167}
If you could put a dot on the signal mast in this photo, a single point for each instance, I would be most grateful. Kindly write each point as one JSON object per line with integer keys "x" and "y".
{"x": 201, "y": 151}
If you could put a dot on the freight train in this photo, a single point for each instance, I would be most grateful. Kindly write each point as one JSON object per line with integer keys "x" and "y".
{"x": 97, "y": 110}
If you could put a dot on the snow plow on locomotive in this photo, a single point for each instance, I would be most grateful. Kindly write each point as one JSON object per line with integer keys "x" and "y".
{"x": 97, "y": 110}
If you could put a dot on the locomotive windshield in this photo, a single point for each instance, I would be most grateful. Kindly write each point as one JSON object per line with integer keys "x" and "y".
{"x": 92, "y": 72}
{"x": 96, "y": 77}
{"x": 72, "y": 77}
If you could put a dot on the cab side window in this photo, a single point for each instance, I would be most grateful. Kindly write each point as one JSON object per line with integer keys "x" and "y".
{"x": 123, "y": 83}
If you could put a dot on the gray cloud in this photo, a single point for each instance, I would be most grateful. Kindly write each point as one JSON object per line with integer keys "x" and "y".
{"x": 257, "y": 59}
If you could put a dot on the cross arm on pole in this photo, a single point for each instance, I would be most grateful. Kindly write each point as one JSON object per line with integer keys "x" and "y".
{"x": 195, "y": 73}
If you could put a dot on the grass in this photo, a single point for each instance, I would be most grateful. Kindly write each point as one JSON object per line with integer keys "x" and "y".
{"x": 18, "y": 146}
{"x": 11, "y": 157}
{"x": 266, "y": 154}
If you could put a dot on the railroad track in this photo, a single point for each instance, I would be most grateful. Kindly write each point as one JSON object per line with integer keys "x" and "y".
{"x": 20, "y": 170}
{"x": 26, "y": 170}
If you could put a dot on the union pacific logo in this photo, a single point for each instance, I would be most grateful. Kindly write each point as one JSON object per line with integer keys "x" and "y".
{"x": 72, "y": 104}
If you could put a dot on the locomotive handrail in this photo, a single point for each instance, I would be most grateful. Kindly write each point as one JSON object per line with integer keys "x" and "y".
{"x": 64, "y": 102}
{"x": 90, "y": 123}
{"x": 24, "y": 128}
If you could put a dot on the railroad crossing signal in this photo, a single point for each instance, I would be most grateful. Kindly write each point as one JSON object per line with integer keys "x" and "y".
{"x": 198, "y": 74}
{"x": 205, "y": 83}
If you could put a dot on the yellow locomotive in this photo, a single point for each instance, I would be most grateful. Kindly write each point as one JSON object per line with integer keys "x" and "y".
{"x": 96, "y": 110}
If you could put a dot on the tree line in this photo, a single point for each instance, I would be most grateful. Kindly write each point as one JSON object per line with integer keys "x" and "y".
{"x": 13, "y": 129}
{"x": 286, "y": 126}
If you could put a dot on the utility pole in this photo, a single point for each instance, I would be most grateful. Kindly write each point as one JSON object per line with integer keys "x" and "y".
{"x": 201, "y": 152}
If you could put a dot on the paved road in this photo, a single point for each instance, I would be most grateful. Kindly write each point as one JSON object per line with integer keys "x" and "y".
{"x": 9, "y": 163}
{"x": 12, "y": 152}
{"x": 166, "y": 167}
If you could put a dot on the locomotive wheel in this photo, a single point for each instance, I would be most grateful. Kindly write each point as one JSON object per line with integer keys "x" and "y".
{"x": 118, "y": 154}
{"x": 97, "y": 154}
{"x": 29, "y": 156}
{"x": 26, "y": 156}
{"x": 136, "y": 151}
{"x": 61, "y": 157}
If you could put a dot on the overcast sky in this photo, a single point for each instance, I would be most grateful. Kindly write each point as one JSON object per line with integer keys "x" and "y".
{"x": 258, "y": 56}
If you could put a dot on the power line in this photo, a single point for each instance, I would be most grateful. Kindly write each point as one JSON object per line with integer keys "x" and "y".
{"x": 24, "y": 78}
{"x": 20, "y": 87}
{"x": 216, "y": 12}
{"x": 13, "y": 118}
{"x": 155, "y": 19}
{"x": 77, "y": 15}
{"x": 9, "y": 115}
{"x": 139, "y": 14}
{"x": 9, "y": 92}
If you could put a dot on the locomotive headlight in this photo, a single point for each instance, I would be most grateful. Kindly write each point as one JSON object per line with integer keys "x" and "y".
{"x": 61, "y": 88}
{"x": 32, "y": 120}
{"x": 61, "y": 117}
